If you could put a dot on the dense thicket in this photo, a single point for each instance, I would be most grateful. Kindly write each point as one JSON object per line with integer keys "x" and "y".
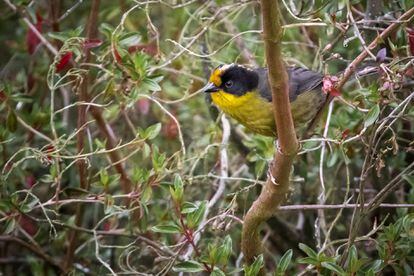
{"x": 112, "y": 161}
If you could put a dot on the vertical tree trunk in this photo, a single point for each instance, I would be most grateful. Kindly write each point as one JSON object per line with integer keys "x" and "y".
{"x": 276, "y": 188}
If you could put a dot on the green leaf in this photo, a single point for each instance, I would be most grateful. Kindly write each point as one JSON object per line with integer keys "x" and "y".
{"x": 6, "y": 205}
{"x": 332, "y": 159}
{"x": 177, "y": 190}
{"x": 11, "y": 122}
{"x": 376, "y": 266}
{"x": 409, "y": 179}
{"x": 25, "y": 208}
{"x": 109, "y": 90}
{"x": 106, "y": 30}
{"x": 309, "y": 251}
{"x": 146, "y": 150}
{"x": 284, "y": 262}
{"x": 152, "y": 131}
{"x": 99, "y": 144}
{"x": 352, "y": 259}
{"x": 140, "y": 175}
{"x": 193, "y": 219}
{"x": 254, "y": 268}
{"x": 370, "y": 272}
{"x": 188, "y": 207}
{"x": 170, "y": 228}
{"x": 10, "y": 226}
{"x": 217, "y": 272}
{"x": 372, "y": 115}
{"x": 109, "y": 204}
{"x": 129, "y": 39}
{"x": 220, "y": 254}
{"x": 150, "y": 85}
{"x": 146, "y": 194}
{"x": 189, "y": 266}
{"x": 260, "y": 166}
{"x": 158, "y": 160}
{"x": 63, "y": 36}
{"x": 140, "y": 68}
{"x": 225, "y": 250}
{"x": 19, "y": 97}
{"x": 36, "y": 267}
{"x": 212, "y": 253}
{"x": 333, "y": 267}
{"x": 104, "y": 178}
{"x": 308, "y": 260}
{"x": 53, "y": 170}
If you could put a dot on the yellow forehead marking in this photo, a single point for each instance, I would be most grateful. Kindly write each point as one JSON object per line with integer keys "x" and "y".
{"x": 215, "y": 77}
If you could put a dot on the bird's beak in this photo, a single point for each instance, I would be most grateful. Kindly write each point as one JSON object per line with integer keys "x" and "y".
{"x": 210, "y": 88}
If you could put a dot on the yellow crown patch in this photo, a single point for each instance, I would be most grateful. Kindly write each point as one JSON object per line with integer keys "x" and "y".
{"x": 215, "y": 77}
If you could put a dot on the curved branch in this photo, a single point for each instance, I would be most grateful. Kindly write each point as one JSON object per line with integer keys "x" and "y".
{"x": 33, "y": 248}
{"x": 276, "y": 188}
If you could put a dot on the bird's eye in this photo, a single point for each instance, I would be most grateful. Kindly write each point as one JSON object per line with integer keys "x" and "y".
{"x": 229, "y": 84}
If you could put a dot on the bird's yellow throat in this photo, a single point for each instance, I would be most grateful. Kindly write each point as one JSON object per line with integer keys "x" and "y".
{"x": 249, "y": 109}
{"x": 229, "y": 101}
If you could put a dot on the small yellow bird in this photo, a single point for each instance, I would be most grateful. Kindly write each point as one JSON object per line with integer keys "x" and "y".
{"x": 245, "y": 95}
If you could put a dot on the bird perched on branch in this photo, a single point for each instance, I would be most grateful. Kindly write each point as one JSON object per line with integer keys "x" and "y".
{"x": 245, "y": 95}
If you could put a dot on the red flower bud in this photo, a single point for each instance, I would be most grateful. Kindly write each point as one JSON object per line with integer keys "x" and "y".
{"x": 64, "y": 60}
{"x": 143, "y": 106}
{"x": 118, "y": 57}
{"x": 329, "y": 84}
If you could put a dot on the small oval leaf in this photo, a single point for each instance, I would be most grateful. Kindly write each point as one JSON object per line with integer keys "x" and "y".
{"x": 372, "y": 115}
{"x": 284, "y": 262}
{"x": 167, "y": 228}
{"x": 189, "y": 266}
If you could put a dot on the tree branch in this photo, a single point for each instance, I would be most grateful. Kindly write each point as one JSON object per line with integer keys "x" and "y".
{"x": 91, "y": 32}
{"x": 33, "y": 248}
{"x": 407, "y": 16}
{"x": 276, "y": 187}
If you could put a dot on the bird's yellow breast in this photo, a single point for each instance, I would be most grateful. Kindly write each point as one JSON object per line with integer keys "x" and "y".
{"x": 253, "y": 111}
{"x": 256, "y": 113}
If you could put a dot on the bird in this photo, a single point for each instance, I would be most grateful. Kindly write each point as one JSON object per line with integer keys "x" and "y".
{"x": 244, "y": 94}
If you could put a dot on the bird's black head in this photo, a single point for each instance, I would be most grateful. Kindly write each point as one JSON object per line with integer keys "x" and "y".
{"x": 233, "y": 79}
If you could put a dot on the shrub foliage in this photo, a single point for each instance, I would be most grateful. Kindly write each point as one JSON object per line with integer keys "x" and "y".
{"x": 113, "y": 162}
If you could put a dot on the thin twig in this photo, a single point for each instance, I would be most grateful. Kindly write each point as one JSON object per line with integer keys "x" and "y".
{"x": 38, "y": 251}
{"x": 338, "y": 206}
{"x": 31, "y": 129}
{"x": 320, "y": 222}
{"x": 42, "y": 39}
{"x": 80, "y": 137}
{"x": 224, "y": 167}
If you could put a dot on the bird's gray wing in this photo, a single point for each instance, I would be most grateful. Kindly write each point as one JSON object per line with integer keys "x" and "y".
{"x": 300, "y": 80}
